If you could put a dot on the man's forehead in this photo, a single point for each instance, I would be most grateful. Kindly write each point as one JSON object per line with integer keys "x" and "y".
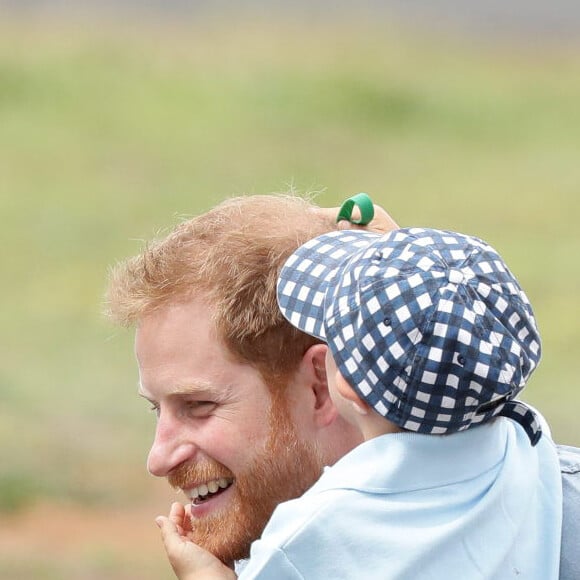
{"x": 194, "y": 310}
{"x": 176, "y": 328}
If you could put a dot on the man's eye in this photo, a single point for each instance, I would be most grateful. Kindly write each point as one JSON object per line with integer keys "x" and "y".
{"x": 155, "y": 408}
{"x": 200, "y": 408}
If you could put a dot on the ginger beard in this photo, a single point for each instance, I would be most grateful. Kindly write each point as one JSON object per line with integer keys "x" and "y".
{"x": 284, "y": 469}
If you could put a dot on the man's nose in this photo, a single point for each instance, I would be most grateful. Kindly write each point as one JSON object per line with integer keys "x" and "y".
{"x": 171, "y": 446}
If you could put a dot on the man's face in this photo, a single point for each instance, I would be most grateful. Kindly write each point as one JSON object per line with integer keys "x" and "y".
{"x": 221, "y": 437}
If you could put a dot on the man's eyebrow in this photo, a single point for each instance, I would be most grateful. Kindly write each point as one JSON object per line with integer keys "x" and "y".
{"x": 198, "y": 389}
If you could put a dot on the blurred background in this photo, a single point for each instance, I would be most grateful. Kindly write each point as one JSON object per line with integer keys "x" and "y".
{"x": 118, "y": 119}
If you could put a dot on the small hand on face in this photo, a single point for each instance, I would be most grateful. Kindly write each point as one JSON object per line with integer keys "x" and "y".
{"x": 187, "y": 559}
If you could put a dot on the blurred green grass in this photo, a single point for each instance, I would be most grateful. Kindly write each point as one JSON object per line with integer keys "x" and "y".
{"x": 110, "y": 133}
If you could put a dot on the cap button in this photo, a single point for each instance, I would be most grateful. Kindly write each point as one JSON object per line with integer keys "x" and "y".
{"x": 455, "y": 276}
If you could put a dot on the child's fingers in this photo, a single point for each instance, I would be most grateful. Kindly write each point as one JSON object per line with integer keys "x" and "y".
{"x": 186, "y": 558}
{"x": 177, "y": 513}
{"x": 172, "y": 539}
{"x": 186, "y": 524}
{"x": 382, "y": 222}
{"x": 180, "y": 516}
{"x": 176, "y": 548}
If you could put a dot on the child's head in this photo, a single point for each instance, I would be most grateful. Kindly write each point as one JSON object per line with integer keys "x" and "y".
{"x": 430, "y": 328}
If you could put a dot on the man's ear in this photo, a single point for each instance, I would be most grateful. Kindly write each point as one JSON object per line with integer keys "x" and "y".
{"x": 312, "y": 376}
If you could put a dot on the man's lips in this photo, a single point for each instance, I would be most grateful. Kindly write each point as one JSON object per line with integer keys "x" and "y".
{"x": 204, "y": 491}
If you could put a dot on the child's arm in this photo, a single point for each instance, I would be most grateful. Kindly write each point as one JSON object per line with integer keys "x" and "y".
{"x": 187, "y": 559}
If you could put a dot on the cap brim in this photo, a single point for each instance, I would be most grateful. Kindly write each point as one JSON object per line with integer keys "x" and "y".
{"x": 306, "y": 275}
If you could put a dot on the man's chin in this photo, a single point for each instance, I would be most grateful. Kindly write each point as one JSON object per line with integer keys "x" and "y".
{"x": 228, "y": 532}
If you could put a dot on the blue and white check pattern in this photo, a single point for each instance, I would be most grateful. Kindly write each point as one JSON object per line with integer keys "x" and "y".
{"x": 430, "y": 327}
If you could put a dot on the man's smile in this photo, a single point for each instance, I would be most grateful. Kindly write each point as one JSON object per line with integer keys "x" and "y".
{"x": 208, "y": 490}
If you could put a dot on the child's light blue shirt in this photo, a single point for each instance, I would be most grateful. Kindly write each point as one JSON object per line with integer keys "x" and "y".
{"x": 480, "y": 504}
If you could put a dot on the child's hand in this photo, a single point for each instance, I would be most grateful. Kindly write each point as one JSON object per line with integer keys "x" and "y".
{"x": 381, "y": 223}
{"x": 187, "y": 559}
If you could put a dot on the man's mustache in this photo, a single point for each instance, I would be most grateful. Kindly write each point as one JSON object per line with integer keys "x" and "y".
{"x": 192, "y": 474}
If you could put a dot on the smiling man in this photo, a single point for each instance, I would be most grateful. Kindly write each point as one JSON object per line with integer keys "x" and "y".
{"x": 244, "y": 416}
{"x": 224, "y": 436}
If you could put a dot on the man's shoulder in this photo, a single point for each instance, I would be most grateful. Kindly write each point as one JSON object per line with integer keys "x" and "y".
{"x": 570, "y": 555}
{"x": 569, "y": 460}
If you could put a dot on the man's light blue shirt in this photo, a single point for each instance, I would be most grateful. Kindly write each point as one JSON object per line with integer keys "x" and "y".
{"x": 481, "y": 504}
{"x": 570, "y": 468}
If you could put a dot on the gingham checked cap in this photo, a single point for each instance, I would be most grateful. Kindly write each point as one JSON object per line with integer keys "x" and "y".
{"x": 429, "y": 327}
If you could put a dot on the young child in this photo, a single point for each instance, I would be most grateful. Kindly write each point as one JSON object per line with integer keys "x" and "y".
{"x": 430, "y": 341}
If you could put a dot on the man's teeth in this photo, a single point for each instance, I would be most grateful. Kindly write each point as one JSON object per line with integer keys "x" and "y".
{"x": 209, "y": 487}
